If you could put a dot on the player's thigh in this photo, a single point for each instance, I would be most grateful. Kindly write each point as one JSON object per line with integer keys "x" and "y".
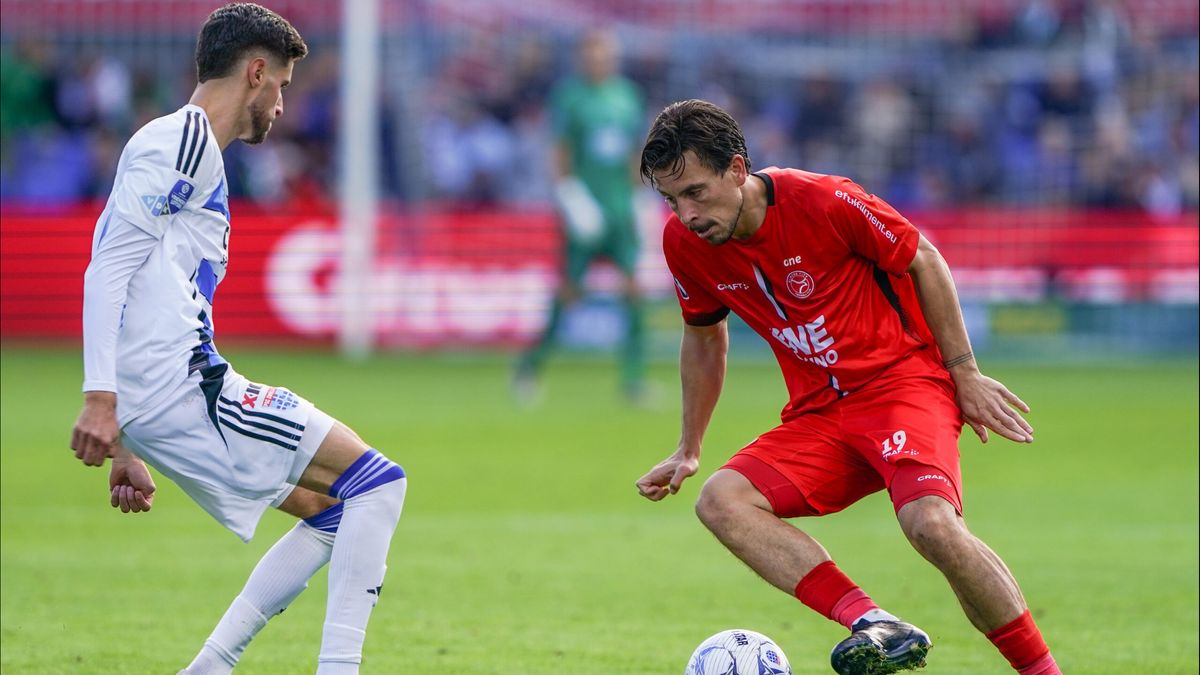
{"x": 304, "y": 503}
{"x": 803, "y": 468}
{"x": 340, "y": 449}
{"x": 229, "y": 443}
{"x": 909, "y": 433}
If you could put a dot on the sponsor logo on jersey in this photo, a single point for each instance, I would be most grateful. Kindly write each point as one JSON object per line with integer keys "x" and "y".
{"x": 933, "y": 476}
{"x": 250, "y": 398}
{"x": 810, "y": 342}
{"x": 735, "y": 286}
{"x": 172, "y": 202}
{"x": 800, "y": 284}
{"x": 857, "y": 203}
{"x": 279, "y": 399}
{"x": 788, "y": 262}
{"x": 155, "y": 204}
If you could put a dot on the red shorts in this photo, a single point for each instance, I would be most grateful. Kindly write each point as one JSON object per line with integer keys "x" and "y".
{"x": 902, "y": 436}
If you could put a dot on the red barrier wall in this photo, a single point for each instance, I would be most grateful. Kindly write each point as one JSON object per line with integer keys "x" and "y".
{"x": 485, "y": 278}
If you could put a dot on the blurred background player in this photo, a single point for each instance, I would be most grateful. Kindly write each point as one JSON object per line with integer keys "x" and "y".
{"x": 860, "y": 310}
{"x": 157, "y": 390}
{"x": 597, "y": 123}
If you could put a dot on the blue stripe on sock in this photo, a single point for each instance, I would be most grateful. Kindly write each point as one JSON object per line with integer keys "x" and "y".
{"x": 327, "y": 520}
{"x": 366, "y": 473}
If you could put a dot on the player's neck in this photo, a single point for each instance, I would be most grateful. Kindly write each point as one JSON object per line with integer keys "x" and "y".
{"x": 223, "y": 109}
{"x": 754, "y": 208}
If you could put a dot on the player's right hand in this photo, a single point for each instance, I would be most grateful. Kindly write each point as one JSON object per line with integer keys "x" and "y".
{"x": 667, "y": 476}
{"x": 96, "y": 431}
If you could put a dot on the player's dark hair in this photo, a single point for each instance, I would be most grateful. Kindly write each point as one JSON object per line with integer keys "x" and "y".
{"x": 239, "y": 27}
{"x": 693, "y": 125}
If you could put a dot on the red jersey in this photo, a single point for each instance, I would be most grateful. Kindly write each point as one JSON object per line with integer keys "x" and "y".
{"x": 823, "y": 281}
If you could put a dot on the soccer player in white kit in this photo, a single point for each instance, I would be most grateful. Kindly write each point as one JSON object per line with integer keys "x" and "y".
{"x": 157, "y": 391}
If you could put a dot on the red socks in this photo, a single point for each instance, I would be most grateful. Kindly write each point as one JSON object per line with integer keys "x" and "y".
{"x": 1021, "y": 643}
{"x": 831, "y": 593}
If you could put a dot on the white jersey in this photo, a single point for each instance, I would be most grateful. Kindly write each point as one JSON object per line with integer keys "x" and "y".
{"x": 170, "y": 185}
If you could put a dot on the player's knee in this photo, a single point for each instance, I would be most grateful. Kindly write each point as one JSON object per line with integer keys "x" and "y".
{"x": 716, "y": 504}
{"x": 375, "y": 474}
{"x": 933, "y": 527}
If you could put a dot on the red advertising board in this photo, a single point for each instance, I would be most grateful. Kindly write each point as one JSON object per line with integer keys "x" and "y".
{"x": 480, "y": 278}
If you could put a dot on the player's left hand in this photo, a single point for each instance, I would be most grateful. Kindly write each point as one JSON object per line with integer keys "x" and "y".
{"x": 988, "y": 404}
{"x": 668, "y": 475}
{"x": 131, "y": 488}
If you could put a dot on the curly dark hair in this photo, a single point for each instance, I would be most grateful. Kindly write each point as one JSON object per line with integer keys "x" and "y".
{"x": 694, "y": 125}
{"x": 238, "y": 27}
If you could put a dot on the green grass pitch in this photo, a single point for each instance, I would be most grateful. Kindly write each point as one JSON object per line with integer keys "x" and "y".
{"x": 524, "y": 548}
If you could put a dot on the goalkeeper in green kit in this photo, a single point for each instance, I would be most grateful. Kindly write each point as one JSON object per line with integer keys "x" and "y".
{"x": 598, "y": 122}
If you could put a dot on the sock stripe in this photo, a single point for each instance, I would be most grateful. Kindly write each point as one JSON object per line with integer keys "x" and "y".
{"x": 327, "y": 520}
{"x": 366, "y": 473}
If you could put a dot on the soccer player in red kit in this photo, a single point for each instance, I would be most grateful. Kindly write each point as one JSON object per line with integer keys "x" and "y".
{"x": 862, "y": 314}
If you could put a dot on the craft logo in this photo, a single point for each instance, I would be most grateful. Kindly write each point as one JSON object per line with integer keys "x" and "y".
{"x": 800, "y": 284}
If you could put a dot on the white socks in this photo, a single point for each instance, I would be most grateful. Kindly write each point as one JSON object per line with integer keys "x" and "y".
{"x": 372, "y": 495}
{"x": 280, "y": 576}
{"x": 356, "y": 571}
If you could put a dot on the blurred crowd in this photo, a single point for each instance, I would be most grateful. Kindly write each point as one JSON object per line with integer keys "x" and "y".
{"x": 1052, "y": 104}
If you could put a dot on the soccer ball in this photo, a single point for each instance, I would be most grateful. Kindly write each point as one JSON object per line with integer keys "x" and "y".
{"x": 738, "y": 652}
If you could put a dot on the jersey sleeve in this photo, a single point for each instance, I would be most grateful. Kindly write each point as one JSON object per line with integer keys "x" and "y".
{"x": 120, "y": 249}
{"x": 870, "y": 226}
{"x": 699, "y": 307}
{"x": 151, "y": 190}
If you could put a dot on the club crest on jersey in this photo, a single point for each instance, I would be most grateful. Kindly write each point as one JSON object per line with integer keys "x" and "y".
{"x": 800, "y": 284}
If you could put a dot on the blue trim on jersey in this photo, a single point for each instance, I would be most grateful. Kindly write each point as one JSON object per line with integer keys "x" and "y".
{"x": 366, "y": 473}
{"x": 327, "y": 520}
{"x": 219, "y": 201}
{"x": 206, "y": 280}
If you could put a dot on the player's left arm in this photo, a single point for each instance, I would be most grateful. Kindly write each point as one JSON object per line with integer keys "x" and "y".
{"x": 130, "y": 486}
{"x": 985, "y": 402}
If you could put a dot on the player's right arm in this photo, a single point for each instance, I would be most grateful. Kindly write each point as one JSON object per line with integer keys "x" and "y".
{"x": 702, "y": 355}
{"x": 121, "y": 249}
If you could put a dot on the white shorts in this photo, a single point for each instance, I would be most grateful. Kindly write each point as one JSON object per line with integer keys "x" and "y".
{"x": 234, "y": 446}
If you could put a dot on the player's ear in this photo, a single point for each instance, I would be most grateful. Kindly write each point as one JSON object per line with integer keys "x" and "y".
{"x": 738, "y": 166}
{"x": 256, "y": 71}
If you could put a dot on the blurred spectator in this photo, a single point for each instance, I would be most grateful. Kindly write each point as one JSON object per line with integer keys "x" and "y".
{"x": 469, "y": 152}
{"x": 1027, "y": 102}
